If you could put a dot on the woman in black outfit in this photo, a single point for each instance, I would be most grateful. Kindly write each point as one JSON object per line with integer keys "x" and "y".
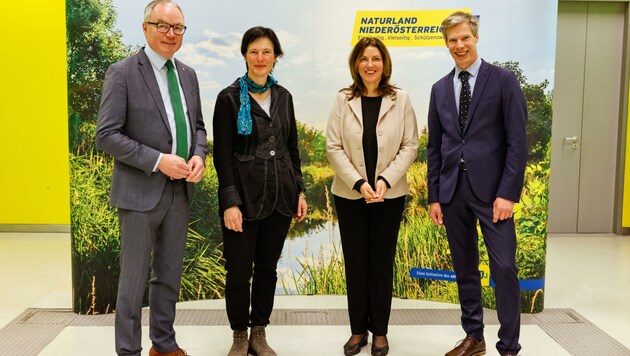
{"x": 371, "y": 140}
{"x": 260, "y": 187}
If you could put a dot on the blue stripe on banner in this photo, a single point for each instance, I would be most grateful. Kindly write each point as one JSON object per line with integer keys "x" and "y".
{"x": 525, "y": 284}
{"x": 532, "y": 284}
{"x": 433, "y": 274}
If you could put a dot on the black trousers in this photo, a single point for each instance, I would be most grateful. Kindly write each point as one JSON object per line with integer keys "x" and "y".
{"x": 369, "y": 233}
{"x": 253, "y": 252}
{"x": 460, "y": 219}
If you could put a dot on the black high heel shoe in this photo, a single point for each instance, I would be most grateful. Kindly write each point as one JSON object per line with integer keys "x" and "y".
{"x": 353, "y": 349}
{"x": 380, "y": 351}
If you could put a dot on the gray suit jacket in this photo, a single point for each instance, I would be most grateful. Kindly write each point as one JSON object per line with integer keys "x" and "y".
{"x": 133, "y": 127}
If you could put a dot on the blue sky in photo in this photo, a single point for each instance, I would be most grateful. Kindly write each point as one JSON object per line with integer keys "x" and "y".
{"x": 316, "y": 36}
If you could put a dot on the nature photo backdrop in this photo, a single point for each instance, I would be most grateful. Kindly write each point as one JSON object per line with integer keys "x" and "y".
{"x": 316, "y": 38}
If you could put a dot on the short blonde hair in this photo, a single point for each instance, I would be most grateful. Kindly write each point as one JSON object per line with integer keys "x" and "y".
{"x": 457, "y": 18}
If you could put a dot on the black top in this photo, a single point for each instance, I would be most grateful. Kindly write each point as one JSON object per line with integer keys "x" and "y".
{"x": 259, "y": 172}
{"x": 370, "y": 107}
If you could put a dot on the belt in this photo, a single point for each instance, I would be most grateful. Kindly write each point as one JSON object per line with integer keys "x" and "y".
{"x": 462, "y": 166}
{"x": 176, "y": 180}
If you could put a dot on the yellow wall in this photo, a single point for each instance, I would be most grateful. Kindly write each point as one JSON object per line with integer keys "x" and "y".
{"x": 625, "y": 220}
{"x": 34, "y": 182}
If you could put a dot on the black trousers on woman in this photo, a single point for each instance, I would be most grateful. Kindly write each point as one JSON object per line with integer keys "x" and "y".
{"x": 369, "y": 233}
{"x": 255, "y": 251}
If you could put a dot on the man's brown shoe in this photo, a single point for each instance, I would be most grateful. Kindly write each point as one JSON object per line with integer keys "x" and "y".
{"x": 468, "y": 347}
{"x": 179, "y": 352}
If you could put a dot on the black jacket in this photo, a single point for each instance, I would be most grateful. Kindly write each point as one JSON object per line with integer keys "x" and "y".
{"x": 259, "y": 172}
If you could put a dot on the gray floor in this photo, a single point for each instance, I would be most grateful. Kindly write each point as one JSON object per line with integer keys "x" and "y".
{"x": 586, "y": 309}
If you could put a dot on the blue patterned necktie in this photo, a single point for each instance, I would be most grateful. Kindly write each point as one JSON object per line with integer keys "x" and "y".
{"x": 464, "y": 99}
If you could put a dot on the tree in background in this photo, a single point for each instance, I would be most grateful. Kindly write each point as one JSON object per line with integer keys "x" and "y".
{"x": 539, "y": 109}
{"x": 311, "y": 144}
{"x": 93, "y": 43}
{"x": 423, "y": 139}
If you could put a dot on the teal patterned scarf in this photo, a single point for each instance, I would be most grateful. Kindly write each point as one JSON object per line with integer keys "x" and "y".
{"x": 244, "y": 120}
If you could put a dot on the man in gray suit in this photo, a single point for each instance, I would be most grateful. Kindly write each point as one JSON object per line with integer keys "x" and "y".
{"x": 150, "y": 121}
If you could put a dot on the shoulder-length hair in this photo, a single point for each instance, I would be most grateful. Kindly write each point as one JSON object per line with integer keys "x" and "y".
{"x": 357, "y": 88}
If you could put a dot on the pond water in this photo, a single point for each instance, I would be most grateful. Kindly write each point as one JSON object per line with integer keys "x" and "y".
{"x": 315, "y": 246}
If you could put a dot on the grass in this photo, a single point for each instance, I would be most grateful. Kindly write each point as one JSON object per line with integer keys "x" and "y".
{"x": 96, "y": 240}
{"x": 422, "y": 244}
{"x": 318, "y": 275}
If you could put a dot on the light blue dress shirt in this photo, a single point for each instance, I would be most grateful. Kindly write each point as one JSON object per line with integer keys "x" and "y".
{"x": 473, "y": 69}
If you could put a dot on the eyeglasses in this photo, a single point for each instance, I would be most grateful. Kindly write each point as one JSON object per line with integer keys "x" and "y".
{"x": 164, "y": 27}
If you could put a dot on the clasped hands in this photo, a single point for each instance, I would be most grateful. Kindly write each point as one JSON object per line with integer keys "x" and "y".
{"x": 175, "y": 167}
{"x": 372, "y": 196}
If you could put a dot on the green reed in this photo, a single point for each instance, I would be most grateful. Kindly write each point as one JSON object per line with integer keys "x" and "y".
{"x": 423, "y": 244}
{"x": 95, "y": 239}
{"x": 319, "y": 274}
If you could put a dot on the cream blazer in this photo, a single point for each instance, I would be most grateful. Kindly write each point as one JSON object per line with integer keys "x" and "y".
{"x": 396, "y": 136}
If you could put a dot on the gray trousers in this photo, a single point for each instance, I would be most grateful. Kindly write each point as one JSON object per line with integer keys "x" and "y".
{"x": 159, "y": 233}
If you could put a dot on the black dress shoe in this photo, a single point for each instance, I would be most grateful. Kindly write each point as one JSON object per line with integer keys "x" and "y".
{"x": 380, "y": 351}
{"x": 353, "y": 349}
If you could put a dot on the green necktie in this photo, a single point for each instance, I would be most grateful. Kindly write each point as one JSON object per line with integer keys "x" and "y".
{"x": 178, "y": 109}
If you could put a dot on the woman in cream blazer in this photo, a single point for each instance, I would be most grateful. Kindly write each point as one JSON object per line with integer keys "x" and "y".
{"x": 371, "y": 140}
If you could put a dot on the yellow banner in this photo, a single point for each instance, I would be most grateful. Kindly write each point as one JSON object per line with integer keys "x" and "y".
{"x": 484, "y": 271}
{"x": 407, "y": 28}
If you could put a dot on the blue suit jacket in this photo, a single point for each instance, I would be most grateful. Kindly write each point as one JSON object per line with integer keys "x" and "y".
{"x": 493, "y": 143}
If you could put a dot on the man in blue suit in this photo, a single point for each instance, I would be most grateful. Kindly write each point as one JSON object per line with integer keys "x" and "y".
{"x": 477, "y": 153}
